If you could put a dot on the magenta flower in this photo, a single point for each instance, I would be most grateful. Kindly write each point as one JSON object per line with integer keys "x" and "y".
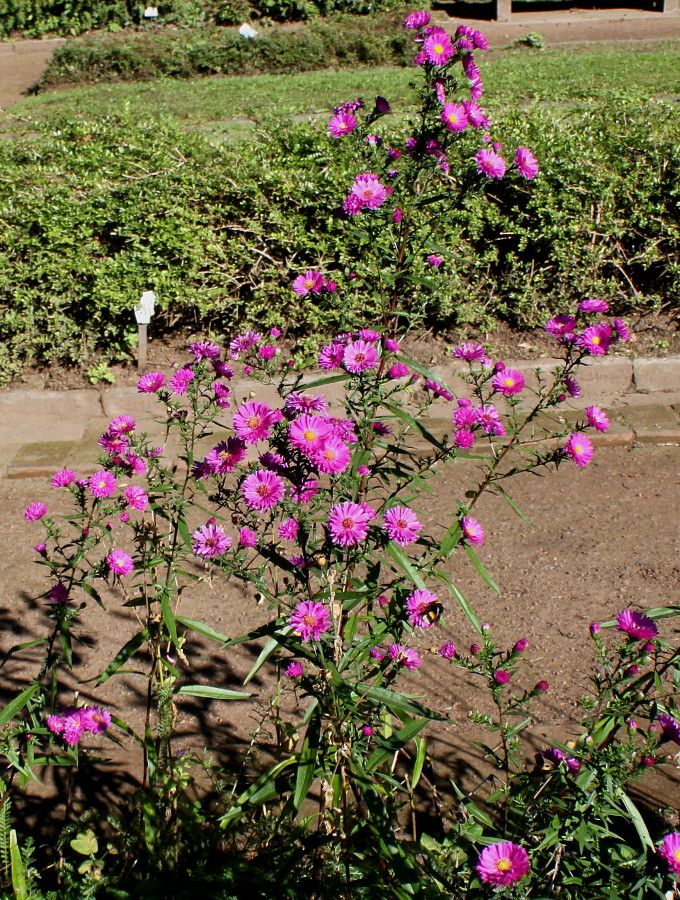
{"x": 435, "y": 261}
{"x": 501, "y": 676}
{"x": 310, "y": 620}
{"x": 489, "y": 163}
{"x": 73, "y": 728}
{"x": 438, "y": 47}
{"x": 454, "y": 117}
{"x": 151, "y": 382}
{"x": 521, "y": 645}
{"x": 398, "y": 370}
{"x": 542, "y": 686}
{"x": 331, "y": 356}
{"x": 120, "y": 562}
{"x": 471, "y": 353}
{"x": 247, "y": 537}
{"x": 405, "y": 657}
{"x": 561, "y": 327}
{"x": 180, "y": 380}
{"x": 262, "y": 489}
{"x": 305, "y": 403}
{"x": 417, "y": 19}
{"x": 341, "y": 124}
{"x": 210, "y": 541}
{"x": 252, "y": 421}
{"x": 204, "y": 350}
{"x": 593, "y": 306}
{"x": 288, "y": 530}
{"x": 102, "y": 484}
{"x": 597, "y": 418}
{"x": 621, "y": 332}
{"x": 636, "y": 625}
{"x": 369, "y": 191}
{"x": 671, "y": 728}
{"x": 420, "y": 606}
{"x": 294, "y": 670}
{"x": 555, "y": 756}
{"x": 225, "y": 456}
{"x": 402, "y": 525}
{"x": 572, "y": 386}
{"x": 243, "y": 342}
{"x": 526, "y": 163}
{"x": 95, "y": 719}
{"x": 122, "y": 425}
{"x": 463, "y": 438}
{"x": 579, "y": 449}
{"x": 670, "y": 851}
{"x": 596, "y": 340}
{"x": 475, "y": 114}
{"x": 437, "y": 389}
{"x": 35, "y": 511}
{"x": 359, "y": 356}
{"x": 136, "y": 497}
{"x": 309, "y": 433}
{"x": 348, "y": 523}
{"x": 473, "y": 532}
{"x": 63, "y": 478}
{"x": 59, "y": 593}
{"x": 447, "y": 650}
{"x": 489, "y": 420}
{"x": 305, "y": 492}
{"x": 333, "y": 457}
{"x": 503, "y": 863}
{"x": 508, "y": 382}
{"x": 310, "y": 282}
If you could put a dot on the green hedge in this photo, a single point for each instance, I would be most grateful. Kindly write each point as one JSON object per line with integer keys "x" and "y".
{"x": 92, "y": 214}
{"x": 223, "y": 51}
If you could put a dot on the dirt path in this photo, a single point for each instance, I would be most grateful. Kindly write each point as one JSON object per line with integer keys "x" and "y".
{"x": 21, "y": 65}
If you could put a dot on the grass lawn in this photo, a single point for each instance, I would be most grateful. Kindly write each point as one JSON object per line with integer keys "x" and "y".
{"x": 228, "y": 106}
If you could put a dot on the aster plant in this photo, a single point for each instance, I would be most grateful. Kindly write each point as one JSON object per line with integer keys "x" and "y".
{"x": 307, "y": 484}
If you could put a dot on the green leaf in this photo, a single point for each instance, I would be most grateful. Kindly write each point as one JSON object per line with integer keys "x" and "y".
{"x": 405, "y": 564}
{"x": 169, "y": 617}
{"x": 451, "y": 539}
{"x": 202, "y": 628}
{"x": 638, "y": 821}
{"x": 511, "y": 503}
{"x": 469, "y": 612}
{"x": 85, "y": 843}
{"x": 419, "y": 762}
{"x": 18, "y": 874}
{"x": 266, "y": 652}
{"x": 477, "y": 563}
{"x": 183, "y": 530}
{"x": 414, "y": 424}
{"x": 331, "y": 379}
{"x": 15, "y": 706}
{"x": 307, "y": 761}
{"x": 123, "y": 655}
{"x": 400, "y": 704}
{"x": 212, "y": 693}
{"x": 389, "y": 746}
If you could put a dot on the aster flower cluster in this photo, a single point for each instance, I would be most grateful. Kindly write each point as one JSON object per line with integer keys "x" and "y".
{"x": 74, "y": 722}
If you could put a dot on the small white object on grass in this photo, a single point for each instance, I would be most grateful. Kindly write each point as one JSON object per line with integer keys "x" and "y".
{"x": 151, "y": 12}
{"x": 143, "y": 313}
{"x": 247, "y": 31}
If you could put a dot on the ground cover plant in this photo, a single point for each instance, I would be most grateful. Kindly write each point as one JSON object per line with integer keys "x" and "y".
{"x": 314, "y": 496}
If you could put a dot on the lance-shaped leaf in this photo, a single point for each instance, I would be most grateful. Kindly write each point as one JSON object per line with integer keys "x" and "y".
{"x": 202, "y": 628}
{"x": 389, "y": 746}
{"x": 405, "y": 564}
{"x": 127, "y": 651}
{"x": 15, "y": 706}
{"x": 212, "y": 693}
{"x": 307, "y": 760}
{"x": 477, "y": 563}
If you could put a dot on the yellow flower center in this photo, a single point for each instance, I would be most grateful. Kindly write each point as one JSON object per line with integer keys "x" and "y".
{"x": 438, "y": 48}
{"x": 676, "y": 855}
{"x": 508, "y": 382}
{"x": 309, "y": 435}
{"x": 504, "y": 864}
{"x": 309, "y": 620}
{"x": 595, "y": 340}
{"x": 309, "y": 284}
{"x": 253, "y": 421}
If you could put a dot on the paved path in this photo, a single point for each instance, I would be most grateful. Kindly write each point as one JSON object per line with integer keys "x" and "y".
{"x": 43, "y": 431}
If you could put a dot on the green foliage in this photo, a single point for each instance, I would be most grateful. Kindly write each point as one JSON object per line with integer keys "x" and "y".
{"x": 107, "y": 209}
{"x": 345, "y": 43}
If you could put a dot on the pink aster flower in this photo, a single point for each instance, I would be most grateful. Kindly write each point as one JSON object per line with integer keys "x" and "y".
{"x": 555, "y": 756}
{"x": 359, "y": 356}
{"x": 305, "y": 492}
{"x": 262, "y": 489}
{"x": 204, "y": 350}
{"x": 179, "y": 382}
{"x": 572, "y": 386}
{"x": 561, "y": 327}
{"x": 488, "y": 418}
{"x": 501, "y": 676}
{"x": 243, "y": 342}
{"x": 310, "y": 282}
{"x": 348, "y": 523}
{"x": 503, "y": 863}
{"x": 136, "y": 497}
{"x": 222, "y": 369}
{"x": 209, "y": 541}
{"x": 398, "y": 370}
{"x": 417, "y": 19}
{"x": 470, "y": 352}
{"x": 636, "y": 625}
{"x": 579, "y": 449}
{"x": 597, "y": 418}
{"x": 247, "y": 537}
{"x": 526, "y": 163}
{"x": 437, "y": 389}
{"x": 95, "y": 719}
{"x": 670, "y": 851}
{"x": 35, "y": 511}
{"x": 222, "y": 394}
{"x": 305, "y": 403}
{"x": 288, "y": 530}
{"x": 438, "y": 48}
{"x": 333, "y": 457}
{"x": 671, "y": 728}
{"x": 59, "y": 593}
{"x": 252, "y": 421}
{"x": 309, "y": 433}
{"x": 119, "y": 562}
{"x": 352, "y": 205}
{"x": 102, "y": 484}
{"x": 473, "y": 532}
{"x": 489, "y": 163}
{"x": 294, "y": 670}
{"x": 122, "y": 425}
{"x": 341, "y": 124}
{"x": 151, "y": 382}
{"x": 225, "y": 456}
{"x": 114, "y": 444}
{"x": 593, "y": 306}
{"x": 402, "y": 525}
{"x": 368, "y": 189}
{"x": 310, "y": 620}
{"x": 596, "y": 340}
{"x": 331, "y": 356}
{"x": 447, "y": 650}
{"x": 475, "y": 114}
{"x": 419, "y": 606}
{"x": 454, "y": 117}
{"x": 463, "y": 438}
{"x": 508, "y": 382}
{"x": 404, "y": 656}
{"x": 621, "y": 332}
{"x": 55, "y": 724}
{"x": 63, "y": 478}
{"x": 73, "y": 728}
